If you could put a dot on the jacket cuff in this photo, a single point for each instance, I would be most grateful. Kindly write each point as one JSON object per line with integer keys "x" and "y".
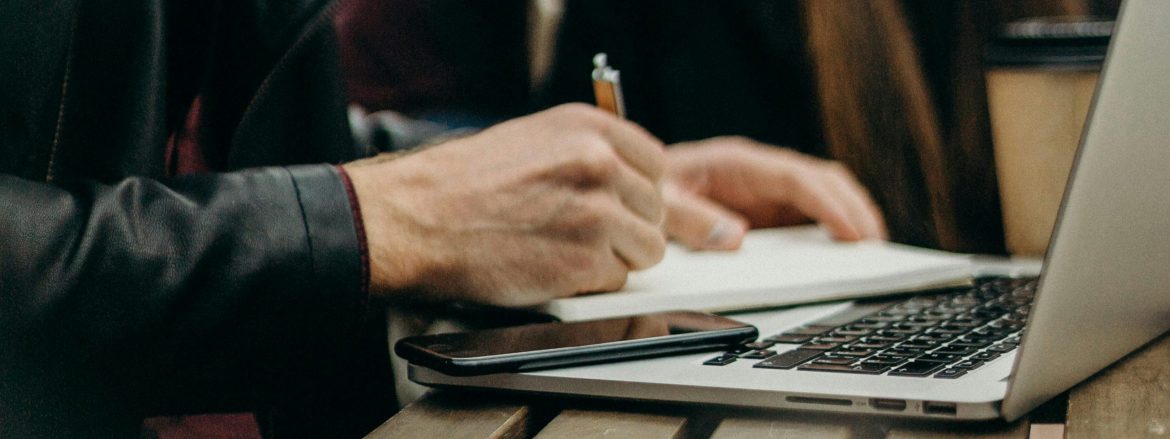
{"x": 331, "y": 225}
{"x": 359, "y": 227}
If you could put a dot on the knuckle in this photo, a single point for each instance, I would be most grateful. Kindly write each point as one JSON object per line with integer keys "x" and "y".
{"x": 598, "y": 163}
{"x": 587, "y": 221}
{"x": 837, "y": 168}
{"x": 796, "y": 178}
{"x": 578, "y": 114}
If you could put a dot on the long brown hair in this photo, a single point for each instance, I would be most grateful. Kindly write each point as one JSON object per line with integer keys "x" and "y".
{"x": 921, "y": 144}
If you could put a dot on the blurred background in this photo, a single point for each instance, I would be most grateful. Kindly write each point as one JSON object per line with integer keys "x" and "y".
{"x": 894, "y": 89}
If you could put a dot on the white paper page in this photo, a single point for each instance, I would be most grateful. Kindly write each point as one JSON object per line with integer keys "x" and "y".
{"x": 774, "y": 267}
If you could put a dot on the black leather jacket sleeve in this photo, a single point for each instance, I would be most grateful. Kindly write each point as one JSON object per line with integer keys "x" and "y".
{"x": 213, "y": 292}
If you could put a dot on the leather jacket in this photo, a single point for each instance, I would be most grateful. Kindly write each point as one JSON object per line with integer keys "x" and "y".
{"x": 125, "y": 292}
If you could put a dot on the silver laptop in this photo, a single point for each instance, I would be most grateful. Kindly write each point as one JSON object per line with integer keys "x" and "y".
{"x": 1104, "y": 292}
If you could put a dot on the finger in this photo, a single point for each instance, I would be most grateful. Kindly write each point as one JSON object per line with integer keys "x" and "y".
{"x": 701, "y": 224}
{"x": 636, "y": 146}
{"x": 636, "y": 241}
{"x": 862, "y": 210}
{"x": 611, "y": 275}
{"x": 803, "y": 183}
{"x": 812, "y": 196}
{"x": 639, "y": 194}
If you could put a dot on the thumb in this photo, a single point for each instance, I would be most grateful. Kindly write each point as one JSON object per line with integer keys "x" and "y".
{"x": 701, "y": 224}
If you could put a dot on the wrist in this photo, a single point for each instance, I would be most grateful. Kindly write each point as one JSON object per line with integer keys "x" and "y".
{"x": 394, "y": 260}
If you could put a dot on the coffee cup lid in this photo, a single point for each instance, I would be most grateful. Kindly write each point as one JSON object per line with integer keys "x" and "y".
{"x": 1052, "y": 42}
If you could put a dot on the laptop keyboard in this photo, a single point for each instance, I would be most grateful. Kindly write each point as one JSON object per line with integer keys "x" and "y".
{"x": 943, "y": 333}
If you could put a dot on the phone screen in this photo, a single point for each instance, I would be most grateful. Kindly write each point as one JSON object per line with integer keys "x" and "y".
{"x": 573, "y": 342}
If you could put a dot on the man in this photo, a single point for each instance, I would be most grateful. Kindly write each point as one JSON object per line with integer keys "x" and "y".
{"x": 166, "y": 249}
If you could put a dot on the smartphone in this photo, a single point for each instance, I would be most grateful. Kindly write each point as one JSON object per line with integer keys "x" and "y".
{"x": 559, "y": 344}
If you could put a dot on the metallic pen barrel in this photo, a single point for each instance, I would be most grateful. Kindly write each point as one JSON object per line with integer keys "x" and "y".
{"x": 607, "y": 86}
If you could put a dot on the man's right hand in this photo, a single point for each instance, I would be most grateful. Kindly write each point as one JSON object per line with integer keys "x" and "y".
{"x": 562, "y": 202}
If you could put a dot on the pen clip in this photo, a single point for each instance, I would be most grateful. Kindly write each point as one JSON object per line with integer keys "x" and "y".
{"x": 607, "y": 87}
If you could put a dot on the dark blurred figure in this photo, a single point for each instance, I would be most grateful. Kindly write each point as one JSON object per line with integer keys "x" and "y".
{"x": 440, "y": 59}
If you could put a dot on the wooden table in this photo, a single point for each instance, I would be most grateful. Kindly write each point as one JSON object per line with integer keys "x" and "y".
{"x": 1129, "y": 399}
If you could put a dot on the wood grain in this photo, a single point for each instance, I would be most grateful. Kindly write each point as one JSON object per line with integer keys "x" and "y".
{"x": 782, "y": 426}
{"x": 584, "y": 424}
{"x": 1129, "y": 399}
{"x": 980, "y": 430}
{"x": 454, "y": 415}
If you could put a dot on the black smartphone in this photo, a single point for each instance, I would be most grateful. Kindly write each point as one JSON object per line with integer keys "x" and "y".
{"x": 547, "y": 345}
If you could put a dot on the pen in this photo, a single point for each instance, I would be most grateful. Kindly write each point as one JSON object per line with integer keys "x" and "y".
{"x": 607, "y": 86}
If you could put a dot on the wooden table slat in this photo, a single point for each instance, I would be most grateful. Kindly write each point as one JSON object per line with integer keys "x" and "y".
{"x": 986, "y": 430}
{"x": 1129, "y": 399}
{"x": 584, "y": 424}
{"x": 782, "y": 426}
{"x": 454, "y": 415}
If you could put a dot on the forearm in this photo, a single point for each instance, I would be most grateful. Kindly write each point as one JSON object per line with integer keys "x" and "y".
{"x": 182, "y": 290}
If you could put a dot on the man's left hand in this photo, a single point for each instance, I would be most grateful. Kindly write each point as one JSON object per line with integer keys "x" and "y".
{"x": 716, "y": 189}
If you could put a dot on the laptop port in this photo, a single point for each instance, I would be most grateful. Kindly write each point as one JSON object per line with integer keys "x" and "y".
{"x": 939, "y": 408}
{"x": 895, "y": 405}
{"x": 821, "y": 401}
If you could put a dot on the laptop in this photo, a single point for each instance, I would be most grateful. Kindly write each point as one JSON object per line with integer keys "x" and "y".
{"x": 995, "y": 349}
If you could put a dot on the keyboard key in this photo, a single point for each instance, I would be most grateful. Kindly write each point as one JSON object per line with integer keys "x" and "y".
{"x": 884, "y": 359}
{"x": 721, "y": 360}
{"x": 928, "y": 318}
{"x": 903, "y": 353}
{"x": 919, "y": 345}
{"x": 790, "y": 359}
{"x": 853, "y": 353}
{"x": 881, "y": 319}
{"x": 895, "y": 331}
{"x": 917, "y": 369}
{"x": 834, "y": 360}
{"x": 908, "y": 324}
{"x": 1002, "y": 348}
{"x": 939, "y": 358}
{"x": 949, "y": 330}
{"x": 951, "y": 373}
{"x": 962, "y": 324}
{"x": 736, "y": 350}
{"x": 757, "y": 345}
{"x": 975, "y": 338}
{"x": 854, "y": 332}
{"x": 869, "y": 346}
{"x": 969, "y": 345}
{"x": 949, "y": 350}
{"x": 809, "y": 330}
{"x": 758, "y": 354}
{"x": 820, "y": 346}
{"x": 869, "y": 369}
{"x": 789, "y": 338}
{"x": 834, "y": 339}
{"x": 969, "y": 364}
{"x": 934, "y": 338}
{"x": 985, "y": 356}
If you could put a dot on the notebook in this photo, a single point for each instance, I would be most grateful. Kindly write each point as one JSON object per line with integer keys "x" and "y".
{"x": 1102, "y": 293}
{"x": 774, "y": 267}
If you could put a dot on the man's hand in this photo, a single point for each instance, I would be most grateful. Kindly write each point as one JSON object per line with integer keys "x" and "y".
{"x": 554, "y": 204}
{"x": 716, "y": 189}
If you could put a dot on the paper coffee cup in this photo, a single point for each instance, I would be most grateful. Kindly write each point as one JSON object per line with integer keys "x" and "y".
{"x": 1041, "y": 75}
